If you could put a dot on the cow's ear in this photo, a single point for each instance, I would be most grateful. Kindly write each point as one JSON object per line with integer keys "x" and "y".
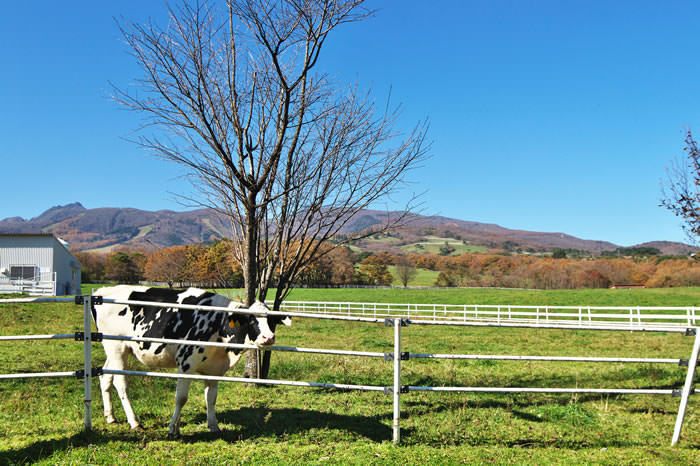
{"x": 287, "y": 321}
{"x": 233, "y": 323}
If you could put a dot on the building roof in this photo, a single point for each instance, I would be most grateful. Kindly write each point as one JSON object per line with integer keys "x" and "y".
{"x": 27, "y": 234}
{"x": 60, "y": 241}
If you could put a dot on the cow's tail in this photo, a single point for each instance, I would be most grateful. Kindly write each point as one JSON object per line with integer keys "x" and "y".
{"x": 93, "y": 308}
{"x": 93, "y": 311}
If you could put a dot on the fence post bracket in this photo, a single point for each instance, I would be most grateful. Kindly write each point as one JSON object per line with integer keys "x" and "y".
{"x": 404, "y": 356}
{"x": 389, "y": 321}
{"x": 390, "y": 390}
{"x": 94, "y": 372}
{"x": 94, "y": 336}
{"x": 678, "y": 392}
{"x": 95, "y": 299}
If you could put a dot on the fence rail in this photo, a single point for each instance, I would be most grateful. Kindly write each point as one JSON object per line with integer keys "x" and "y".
{"x": 641, "y": 318}
{"x": 397, "y": 316}
{"x": 291, "y": 383}
{"x": 602, "y": 391}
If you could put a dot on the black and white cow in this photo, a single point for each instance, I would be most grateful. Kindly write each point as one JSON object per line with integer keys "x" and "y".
{"x": 160, "y": 321}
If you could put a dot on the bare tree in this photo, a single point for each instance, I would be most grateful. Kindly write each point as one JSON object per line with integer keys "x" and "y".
{"x": 405, "y": 270}
{"x": 287, "y": 155}
{"x": 681, "y": 195}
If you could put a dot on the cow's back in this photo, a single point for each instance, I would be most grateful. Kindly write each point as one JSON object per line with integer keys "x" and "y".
{"x": 113, "y": 318}
{"x": 158, "y": 319}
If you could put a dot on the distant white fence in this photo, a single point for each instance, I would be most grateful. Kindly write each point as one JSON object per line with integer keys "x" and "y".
{"x": 44, "y": 284}
{"x": 637, "y": 318}
{"x": 397, "y": 316}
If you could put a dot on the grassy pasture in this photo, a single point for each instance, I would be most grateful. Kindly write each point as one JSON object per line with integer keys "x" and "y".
{"x": 41, "y": 420}
{"x": 434, "y": 243}
{"x": 424, "y": 277}
{"x": 382, "y": 239}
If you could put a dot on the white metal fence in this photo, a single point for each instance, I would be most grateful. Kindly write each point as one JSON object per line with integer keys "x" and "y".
{"x": 634, "y": 319}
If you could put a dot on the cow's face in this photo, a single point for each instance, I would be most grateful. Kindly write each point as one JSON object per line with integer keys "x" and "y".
{"x": 256, "y": 329}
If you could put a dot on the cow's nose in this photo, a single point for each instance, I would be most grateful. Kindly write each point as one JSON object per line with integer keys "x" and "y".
{"x": 268, "y": 340}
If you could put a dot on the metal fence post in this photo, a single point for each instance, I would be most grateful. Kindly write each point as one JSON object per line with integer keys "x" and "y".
{"x": 687, "y": 387}
{"x": 397, "y": 380}
{"x": 87, "y": 360}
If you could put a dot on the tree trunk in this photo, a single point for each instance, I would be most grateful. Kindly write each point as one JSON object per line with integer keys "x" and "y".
{"x": 252, "y": 365}
{"x": 251, "y": 252}
{"x": 252, "y": 357}
{"x": 265, "y": 366}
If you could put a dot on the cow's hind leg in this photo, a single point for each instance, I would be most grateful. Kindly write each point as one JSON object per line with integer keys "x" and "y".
{"x": 105, "y": 386}
{"x": 117, "y": 360}
{"x": 181, "y": 394}
{"x": 211, "y": 389}
{"x": 121, "y": 384}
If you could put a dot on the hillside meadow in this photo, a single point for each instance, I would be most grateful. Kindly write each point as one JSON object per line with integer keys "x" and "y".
{"x": 41, "y": 420}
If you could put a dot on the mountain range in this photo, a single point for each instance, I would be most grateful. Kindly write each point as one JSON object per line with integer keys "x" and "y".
{"x": 105, "y": 229}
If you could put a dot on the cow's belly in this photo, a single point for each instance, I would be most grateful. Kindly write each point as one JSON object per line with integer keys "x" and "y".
{"x": 215, "y": 362}
{"x": 151, "y": 358}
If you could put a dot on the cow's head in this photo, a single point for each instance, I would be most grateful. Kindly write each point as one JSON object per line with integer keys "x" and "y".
{"x": 258, "y": 330}
{"x": 274, "y": 321}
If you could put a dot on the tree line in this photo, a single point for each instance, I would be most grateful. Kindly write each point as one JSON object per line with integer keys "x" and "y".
{"x": 523, "y": 271}
{"x": 214, "y": 266}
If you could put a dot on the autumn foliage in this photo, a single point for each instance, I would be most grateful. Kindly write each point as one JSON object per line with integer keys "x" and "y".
{"x": 213, "y": 266}
{"x": 209, "y": 266}
{"x": 522, "y": 271}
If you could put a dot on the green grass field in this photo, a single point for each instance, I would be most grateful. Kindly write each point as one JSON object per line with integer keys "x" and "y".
{"x": 382, "y": 239}
{"x": 433, "y": 245}
{"x": 41, "y": 420}
{"x": 424, "y": 277}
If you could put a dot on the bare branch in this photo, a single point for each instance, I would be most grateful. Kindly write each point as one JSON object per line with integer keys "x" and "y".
{"x": 285, "y": 154}
{"x": 683, "y": 183}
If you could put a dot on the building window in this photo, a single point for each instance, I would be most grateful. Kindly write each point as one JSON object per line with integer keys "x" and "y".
{"x": 23, "y": 272}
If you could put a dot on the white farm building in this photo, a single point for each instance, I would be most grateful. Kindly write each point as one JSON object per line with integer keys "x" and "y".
{"x": 37, "y": 264}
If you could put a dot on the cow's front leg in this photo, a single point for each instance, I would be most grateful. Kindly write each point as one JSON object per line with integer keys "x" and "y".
{"x": 211, "y": 389}
{"x": 181, "y": 394}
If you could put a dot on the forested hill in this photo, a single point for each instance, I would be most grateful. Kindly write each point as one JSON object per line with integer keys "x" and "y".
{"x": 105, "y": 229}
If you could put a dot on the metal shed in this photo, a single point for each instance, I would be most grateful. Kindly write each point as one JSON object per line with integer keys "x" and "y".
{"x": 39, "y": 264}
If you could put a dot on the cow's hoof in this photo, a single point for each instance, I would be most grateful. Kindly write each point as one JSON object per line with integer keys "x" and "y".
{"x": 110, "y": 420}
{"x": 215, "y": 430}
{"x": 173, "y": 435}
{"x": 138, "y": 428}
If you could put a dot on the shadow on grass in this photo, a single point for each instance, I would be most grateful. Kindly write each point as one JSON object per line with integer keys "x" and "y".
{"x": 252, "y": 423}
{"x": 46, "y": 448}
{"x": 266, "y": 422}
{"x": 270, "y": 423}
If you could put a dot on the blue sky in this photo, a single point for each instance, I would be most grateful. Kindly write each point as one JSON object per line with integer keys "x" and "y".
{"x": 555, "y": 116}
